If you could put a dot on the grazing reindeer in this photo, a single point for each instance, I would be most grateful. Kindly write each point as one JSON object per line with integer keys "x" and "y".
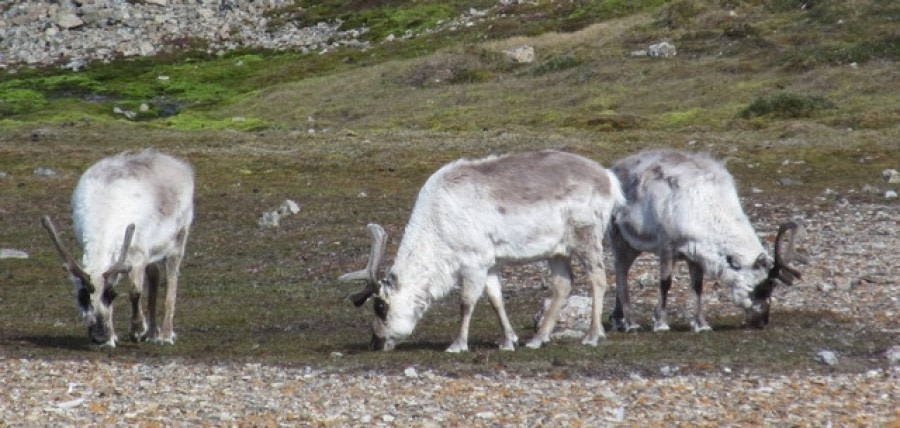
{"x": 132, "y": 213}
{"x": 683, "y": 206}
{"x": 473, "y": 216}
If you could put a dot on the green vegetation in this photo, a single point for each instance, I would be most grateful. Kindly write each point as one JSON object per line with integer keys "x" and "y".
{"x": 786, "y": 106}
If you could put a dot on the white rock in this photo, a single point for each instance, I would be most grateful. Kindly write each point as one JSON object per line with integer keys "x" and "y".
{"x": 827, "y": 357}
{"x": 411, "y": 372}
{"x": 890, "y": 176}
{"x": 68, "y": 21}
{"x": 522, "y": 55}
{"x": 890, "y": 194}
{"x": 273, "y": 218}
{"x": 662, "y": 50}
{"x": 893, "y": 354}
{"x": 11, "y": 253}
{"x": 44, "y": 172}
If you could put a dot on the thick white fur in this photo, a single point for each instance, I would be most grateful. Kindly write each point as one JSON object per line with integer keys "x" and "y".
{"x": 456, "y": 234}
{"x": 684, "y": 206}
{"x": 153, "y": 191}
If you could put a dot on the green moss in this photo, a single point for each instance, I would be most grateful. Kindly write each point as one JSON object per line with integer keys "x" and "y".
{"x": 196, "y": 122}
{"x": 20, "y": 101}
{"x": 681, "y": 118}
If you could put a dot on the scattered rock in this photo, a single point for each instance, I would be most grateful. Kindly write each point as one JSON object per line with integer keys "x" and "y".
{"x": 827, "y": 357}
{"x": 130, "y": 115}
{"x": 410, "y": 372}
{"x": 893, "y": 354}
{"x": 890, "y": 176}
{"x": 273, "y": 218}
{"x": 574, "y": 317}
{"x": 44, "y": 172}
{"x": 890, "y": 194}
{"x": 521, "y": 55}
{"x": 789, "y": 182}
{"x": 662, "y": 50}
{"x": 11, "y": 253}
{"x": 68, "y": 21}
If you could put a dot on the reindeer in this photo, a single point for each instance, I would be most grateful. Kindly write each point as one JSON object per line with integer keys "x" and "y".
{"x": 683, "y": 206}
{"x": 131, "y": 214}
{"x": 472, "y": 217}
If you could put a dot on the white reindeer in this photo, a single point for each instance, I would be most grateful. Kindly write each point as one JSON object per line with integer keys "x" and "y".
{"x": 131, "y": 213}
{"x": 473, "y": 216}
{"x": 684, "y": 206}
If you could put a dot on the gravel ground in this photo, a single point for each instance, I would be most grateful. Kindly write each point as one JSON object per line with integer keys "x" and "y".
{"x": 853, "y": 263}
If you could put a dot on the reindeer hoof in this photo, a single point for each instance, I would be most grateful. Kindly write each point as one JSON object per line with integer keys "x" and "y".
{"x": 660, "y": 327}
{"x": 509, "y": 345}
{"x": 592, "y": 341}
{"x": 699, "y": 328}
{"x": 534, "y": 343}
{"x": 455, "y": 349}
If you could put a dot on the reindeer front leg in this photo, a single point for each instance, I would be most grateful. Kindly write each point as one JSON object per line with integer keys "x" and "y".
{"x": 495, "y": 296}
{"x": 151, "y": 289}
{"x": 561, "y": 272}
{"x": 138, "y": 323}
{"x": 472, "y": 287}
{"x": 698, "y": 322}
{"x": 167, "y": 333}
{"x": 660, "y": 317}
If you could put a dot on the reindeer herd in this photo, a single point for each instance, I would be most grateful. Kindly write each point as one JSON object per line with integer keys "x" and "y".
{"x": 132, "y": 215}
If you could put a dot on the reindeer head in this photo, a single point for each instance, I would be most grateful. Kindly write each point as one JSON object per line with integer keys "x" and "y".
{"x": 391, "y": 324}
{"x": 95, "y": 292}
{"x": 780, "y": 271}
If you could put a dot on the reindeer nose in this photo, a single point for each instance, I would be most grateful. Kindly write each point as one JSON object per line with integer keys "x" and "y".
{"x": 377, "y": 343}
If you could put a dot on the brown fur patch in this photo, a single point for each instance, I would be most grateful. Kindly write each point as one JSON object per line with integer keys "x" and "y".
{"x": 533, "y": 177}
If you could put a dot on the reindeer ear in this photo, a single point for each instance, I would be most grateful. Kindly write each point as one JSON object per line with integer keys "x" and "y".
{"x": 359, "y": 298}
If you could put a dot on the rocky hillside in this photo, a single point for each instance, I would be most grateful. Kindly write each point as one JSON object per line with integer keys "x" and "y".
{"x": 73, "y": 32}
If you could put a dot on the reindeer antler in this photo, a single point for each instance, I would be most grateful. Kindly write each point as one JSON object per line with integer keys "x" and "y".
{"x": 72, "y": 266}
{"x": 370, "y": 273}
{"x": 782, "y": 270}
{"x": 120, "y": 267}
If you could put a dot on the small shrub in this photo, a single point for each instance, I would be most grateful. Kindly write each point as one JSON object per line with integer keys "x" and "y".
{"x": 557, "y": 63}
{"x": 678, "y": 14}
{"x": 785, "y": 106}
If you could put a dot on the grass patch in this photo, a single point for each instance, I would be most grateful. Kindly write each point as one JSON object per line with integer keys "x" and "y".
{"x": 785, "y": 106}
{"x": 20, "y": 101}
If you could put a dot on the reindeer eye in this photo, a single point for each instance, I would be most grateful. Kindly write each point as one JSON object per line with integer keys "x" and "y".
{"x": 381, "y": 308}
{"x": 108, "y": 296}
{"x": 84, "y": 298}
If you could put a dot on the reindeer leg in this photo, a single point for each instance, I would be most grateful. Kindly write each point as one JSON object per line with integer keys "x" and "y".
{"x": 167, "y": 332}
{"x": 152, "y": 281}
{"x": 660, "y": 318}
{"x": 472, "y": 287}
{"x": 561, "y": 271}
{"x": 495, "y": 296}
{"x": 138, "y": 322}
{"x": 698, "y": 323}
{"x": 624, "y": 257}
{"x": 596, "y": 272}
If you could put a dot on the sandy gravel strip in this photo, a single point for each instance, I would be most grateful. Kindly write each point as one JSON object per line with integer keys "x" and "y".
{"x": 69, "y": 393}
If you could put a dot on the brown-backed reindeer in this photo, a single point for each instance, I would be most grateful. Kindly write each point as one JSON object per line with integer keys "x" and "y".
{"x": 473, "y": 216}
{"x": 132, "y": 213}
{"x": 684, "y": 206}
